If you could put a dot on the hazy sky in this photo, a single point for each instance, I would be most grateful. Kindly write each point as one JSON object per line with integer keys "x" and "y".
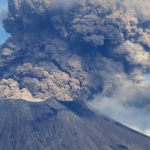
{"x": 3, "y": 14}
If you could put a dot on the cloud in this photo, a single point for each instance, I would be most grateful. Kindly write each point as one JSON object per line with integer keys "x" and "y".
{"x": 10, "y": 89}
{"x": 115, "y": 55}
{"x": 147, "y": 132}
{"x": 131, "y": 116}
{"x": 62, "y": 4}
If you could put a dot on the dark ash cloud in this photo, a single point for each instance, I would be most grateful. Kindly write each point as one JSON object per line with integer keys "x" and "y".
{"x": 90, "y": 46}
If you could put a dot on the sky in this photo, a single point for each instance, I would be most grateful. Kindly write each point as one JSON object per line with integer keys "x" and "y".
{"x": 126, "y": 113}
{"x": 3, "y": 14}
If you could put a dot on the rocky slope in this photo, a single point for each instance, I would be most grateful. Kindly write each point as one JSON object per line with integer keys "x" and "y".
{"x": 58, "y": 125}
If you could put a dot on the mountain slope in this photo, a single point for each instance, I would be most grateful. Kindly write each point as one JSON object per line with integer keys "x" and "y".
{"x": 58, "y": 125}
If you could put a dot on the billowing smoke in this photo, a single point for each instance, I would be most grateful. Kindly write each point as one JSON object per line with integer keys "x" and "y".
{"x": 77, "y": 49}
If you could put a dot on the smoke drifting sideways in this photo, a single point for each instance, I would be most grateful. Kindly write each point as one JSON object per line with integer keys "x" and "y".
{"x": 81, "y": 49}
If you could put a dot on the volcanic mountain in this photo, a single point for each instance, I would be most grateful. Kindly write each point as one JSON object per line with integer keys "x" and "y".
{"x": 62, "y": 53}
{"x": 61, "y": 125}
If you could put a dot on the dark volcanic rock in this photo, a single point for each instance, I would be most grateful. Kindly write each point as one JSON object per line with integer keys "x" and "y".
{"x": 57, "y": 125}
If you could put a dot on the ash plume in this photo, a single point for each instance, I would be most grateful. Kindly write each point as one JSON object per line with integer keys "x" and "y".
{"x": 89, "y": 50}
{"x": 77, "y": 50}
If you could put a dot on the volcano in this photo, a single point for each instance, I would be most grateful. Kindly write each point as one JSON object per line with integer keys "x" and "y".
{"x": 63, "y": 53}
{"x": 63, "y": 125}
